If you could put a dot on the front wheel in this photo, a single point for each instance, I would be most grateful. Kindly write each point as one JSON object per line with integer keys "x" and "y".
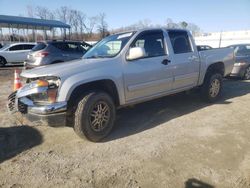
{"x": 94, "y": 116}
{"x": 212, "y": 87}
{"x": 2, "y": 62}
{"x": 247, "y": 74}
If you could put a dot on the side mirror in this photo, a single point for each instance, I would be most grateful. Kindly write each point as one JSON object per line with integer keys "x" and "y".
{"x": 135, "y": 53}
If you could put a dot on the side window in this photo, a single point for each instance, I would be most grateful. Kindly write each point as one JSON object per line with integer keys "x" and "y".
{"x": 28, "y": 46}
{"x": 72, "y": 47}
{"x": 180, "y": 42}
{"x": 152, "y": 42}
{"x": 61, "y": 46}
{"x": 16, "y": 48}
{"x": 85, "y": 46}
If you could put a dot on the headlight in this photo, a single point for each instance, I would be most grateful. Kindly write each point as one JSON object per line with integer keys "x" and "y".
{"x": 46, "y": 90}
{"x": 240, "y": 64}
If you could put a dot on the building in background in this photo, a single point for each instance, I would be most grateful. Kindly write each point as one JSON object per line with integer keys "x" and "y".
{"x": 223, "y": 39}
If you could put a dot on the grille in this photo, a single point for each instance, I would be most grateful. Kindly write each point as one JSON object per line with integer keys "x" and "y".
{"x": 11, "y": 101}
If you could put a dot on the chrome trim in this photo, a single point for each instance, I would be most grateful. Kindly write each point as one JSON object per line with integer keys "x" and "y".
{"x": 25, "y": 91}
{"x": 44, "y": 109}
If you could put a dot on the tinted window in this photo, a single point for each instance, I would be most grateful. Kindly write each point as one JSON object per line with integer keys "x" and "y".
{"x": 242, "y": 50}
{"x": 28, "y": 46}
{"x": 180, "y": 42}
{"x": 72, "y": 47}
{"x": 39, "y": 46}
{"x": 61, "y": 46}
{"x": 16, "y": 47}
{"x": 152, "y": 42}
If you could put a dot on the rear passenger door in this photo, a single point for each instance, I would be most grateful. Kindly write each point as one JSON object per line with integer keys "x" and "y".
{"x": 185, "y": 59}
{"x": 18, "y": 53}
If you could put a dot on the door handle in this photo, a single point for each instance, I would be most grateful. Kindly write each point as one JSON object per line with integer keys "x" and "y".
{"x": 166, "y": 62}
{"x": 192, "y": 58}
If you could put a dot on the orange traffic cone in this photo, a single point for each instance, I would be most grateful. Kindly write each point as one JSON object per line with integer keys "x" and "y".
{"x": 17, "y": 81}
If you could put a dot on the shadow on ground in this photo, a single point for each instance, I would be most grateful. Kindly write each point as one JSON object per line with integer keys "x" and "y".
{"x": 194, "y": 183}
{"x": 147, "y": 115}
{"x": 14, "y": 140}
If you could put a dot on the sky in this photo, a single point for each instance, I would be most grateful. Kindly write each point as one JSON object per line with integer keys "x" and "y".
{"x": 209, "y": 15}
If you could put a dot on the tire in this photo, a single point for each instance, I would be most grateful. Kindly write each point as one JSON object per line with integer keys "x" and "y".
{"x": 91, "y": 120}
{"x": 212, "y": 87}
{"x": 2, "y": 62}
{"x": 247, "y": 74}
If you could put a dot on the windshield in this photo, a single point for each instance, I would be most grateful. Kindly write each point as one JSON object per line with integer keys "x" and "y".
{"x": 109, "y": 46}
{"x": 5, "y": 47}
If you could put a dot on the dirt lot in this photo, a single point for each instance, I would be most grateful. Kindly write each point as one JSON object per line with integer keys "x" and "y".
{"x": 176, "y": 141}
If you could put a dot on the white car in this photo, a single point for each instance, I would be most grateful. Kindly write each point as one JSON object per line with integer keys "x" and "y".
{"x": 15, "y": 53}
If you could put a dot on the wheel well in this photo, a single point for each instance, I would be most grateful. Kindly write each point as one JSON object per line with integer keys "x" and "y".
{"x": 217, "y": 67}
{"x": 3, "y": 59}
{"x": 106, "y": 85}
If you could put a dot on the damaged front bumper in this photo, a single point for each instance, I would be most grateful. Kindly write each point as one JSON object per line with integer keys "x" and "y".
{"x": 53, "y": 114}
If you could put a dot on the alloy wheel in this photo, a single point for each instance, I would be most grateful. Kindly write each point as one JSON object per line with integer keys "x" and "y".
{"x": 99, "y": 116}
{"x": 214, "y": 88}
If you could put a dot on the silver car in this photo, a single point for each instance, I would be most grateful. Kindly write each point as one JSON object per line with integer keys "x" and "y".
{"x": 51, "y": 52}
{"x": 242, "y": 61}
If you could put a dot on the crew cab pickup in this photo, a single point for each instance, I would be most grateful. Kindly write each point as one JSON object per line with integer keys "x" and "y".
{"x": 120, "y": 70}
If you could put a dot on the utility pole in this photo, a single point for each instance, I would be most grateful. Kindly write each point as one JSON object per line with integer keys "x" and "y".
{"x": 220, "y": 39}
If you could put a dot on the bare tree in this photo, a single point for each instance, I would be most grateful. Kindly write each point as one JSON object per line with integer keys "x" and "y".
{"x": 30, "y": 11}
{"x": 170, "y": 24}
{"x": 73, "y": 21}
{"x": 183, "y": 24}
{"x": 102, "y": 26}
{"x": 42, "y": 12}
{"x": 81, "y": 17}
{"x": 62, "y": 14}
{"x": 195, "y": 30}
{"x": 90, "y": 25}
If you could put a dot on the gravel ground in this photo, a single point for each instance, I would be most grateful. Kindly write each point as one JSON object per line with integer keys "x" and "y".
{"x": 176, "y": 141}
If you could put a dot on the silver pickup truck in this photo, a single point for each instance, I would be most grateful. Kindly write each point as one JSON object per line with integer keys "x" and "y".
{"x": 120, "y": 70}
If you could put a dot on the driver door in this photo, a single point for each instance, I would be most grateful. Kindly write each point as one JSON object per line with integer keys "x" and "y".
{"x": 150, "y": 75}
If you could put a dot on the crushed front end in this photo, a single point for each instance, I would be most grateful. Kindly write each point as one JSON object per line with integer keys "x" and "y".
{"x": 37, "y": 101}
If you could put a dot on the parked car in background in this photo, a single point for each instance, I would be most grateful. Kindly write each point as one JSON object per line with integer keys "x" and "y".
{"x": 15, "y": 53}
{"x": 51, "y": 52}
{"x": 120, "y": 70}
{"x": 203, "y": 47}
{"x": 242, "y": 61}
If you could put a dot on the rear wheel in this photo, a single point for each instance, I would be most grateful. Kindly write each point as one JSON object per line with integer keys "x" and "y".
{"x": 211, "y": 89}
{"x": 247, "y": 74}
{"x": 94, "y": 116}
{"x": 2, "y": 62}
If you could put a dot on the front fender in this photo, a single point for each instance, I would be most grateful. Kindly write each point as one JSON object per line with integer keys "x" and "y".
{"x": 70, "y": 83}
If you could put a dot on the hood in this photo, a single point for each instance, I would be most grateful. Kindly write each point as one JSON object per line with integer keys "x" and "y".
{"x": 64, "y": 69}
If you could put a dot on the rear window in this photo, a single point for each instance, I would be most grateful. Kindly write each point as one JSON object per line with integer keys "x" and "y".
{"x": 39, "y": 46}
